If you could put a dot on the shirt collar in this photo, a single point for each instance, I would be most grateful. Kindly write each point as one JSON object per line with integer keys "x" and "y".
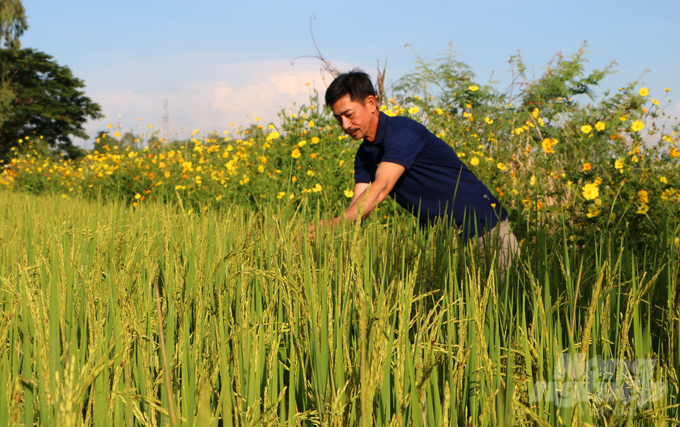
{"x": 381, "y": 131}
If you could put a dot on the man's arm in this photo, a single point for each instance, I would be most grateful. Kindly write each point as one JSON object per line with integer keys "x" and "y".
{"x": 386, "y": 176}
{"x": 359, "y": 188}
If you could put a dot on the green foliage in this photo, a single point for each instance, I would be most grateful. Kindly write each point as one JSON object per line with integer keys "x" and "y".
{"x": 152, "y": 316}
{"x": 12, "y": 23}
{"x": 48, "y": 102}
{"x": 538, "y": 146}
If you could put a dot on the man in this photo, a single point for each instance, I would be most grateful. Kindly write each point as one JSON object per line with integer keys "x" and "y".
{"x": 399, "y": 157}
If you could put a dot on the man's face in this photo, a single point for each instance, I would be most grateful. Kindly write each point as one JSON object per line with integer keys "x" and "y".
{"x": 356, "y": 119}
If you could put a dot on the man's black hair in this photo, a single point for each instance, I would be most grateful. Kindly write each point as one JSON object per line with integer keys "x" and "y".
{"x": 355, "y": 83}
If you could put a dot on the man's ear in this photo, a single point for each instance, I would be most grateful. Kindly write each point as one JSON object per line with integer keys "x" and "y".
{"x": 371, "y": 102}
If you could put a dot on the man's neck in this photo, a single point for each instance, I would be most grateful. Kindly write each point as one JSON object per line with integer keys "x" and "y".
{"x": 370, "y": 137}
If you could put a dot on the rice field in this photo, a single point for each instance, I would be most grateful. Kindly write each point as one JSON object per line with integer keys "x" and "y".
{"x": 159, "y": 316}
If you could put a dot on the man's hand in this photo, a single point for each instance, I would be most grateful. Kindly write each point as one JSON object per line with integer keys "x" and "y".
{"x": 386, "y": 176}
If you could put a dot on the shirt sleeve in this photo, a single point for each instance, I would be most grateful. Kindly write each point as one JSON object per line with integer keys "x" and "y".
{"x": 403, "y": 147}
{"x": 360, "y": 172}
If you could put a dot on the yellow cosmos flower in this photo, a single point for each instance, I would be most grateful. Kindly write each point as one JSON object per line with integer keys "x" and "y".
{"x": 413, "y": 110}
{"x": 349, "y": 193}
{"x": 637, "y": 126}
{"x": 281, "y": 194}
{"x": 501, "y": 166}
{"x": 587, "y": 166}
{"x": 301, "y": 143}
{"x": 518, "y": 131}
{"x": 599, "y": 126}
{"x": 271, "y": 127}
{"x": 593, "y": 211}
{"x": 642, "y": 209}
{"x": 439, "y": 111}
{"x": 586, "y": 128}
{"x": 257, "y": 119}
{"x": 655, "y": 101}
{"x": 315, "y": 140}
{"x": 643, "y": 196}
{"x": 473, "y": 88}
{"x": 317, "y": 188}
{"x": 547, "y": 145}
{"x": 488, "y": 120}
{"x": 273, "y": 135}
{"x": 260, "y": 168}
{"x": 295, "y": 154}
{"x": 138, "y": 196}
{"x": 618, "y": 164}
{"x": 591, "y": 191}
{"x": 663, "y": 179}
{"x": 666, "y": 89}
{"x": 534, "y": 113}
{"x": 644, "y": 91}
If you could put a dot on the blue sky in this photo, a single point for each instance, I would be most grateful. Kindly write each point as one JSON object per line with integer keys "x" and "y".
{"x": 223, "y": 62}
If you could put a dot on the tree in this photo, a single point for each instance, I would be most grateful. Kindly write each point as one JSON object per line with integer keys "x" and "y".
{"x": 12, "y": 22}
{"x": 47, "y": 102}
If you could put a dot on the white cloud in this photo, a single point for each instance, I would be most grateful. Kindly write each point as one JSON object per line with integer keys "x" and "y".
{"x": 207, "y": 98}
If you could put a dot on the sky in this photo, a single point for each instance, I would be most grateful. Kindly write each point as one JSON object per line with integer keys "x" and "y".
{"x": 223, "y": 62}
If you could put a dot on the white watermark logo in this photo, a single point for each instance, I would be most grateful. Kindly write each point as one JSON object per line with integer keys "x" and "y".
{"x": 577, "y": 379}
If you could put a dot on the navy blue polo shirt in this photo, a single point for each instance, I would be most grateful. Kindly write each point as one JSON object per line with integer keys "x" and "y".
{"x": 435, "y": 184}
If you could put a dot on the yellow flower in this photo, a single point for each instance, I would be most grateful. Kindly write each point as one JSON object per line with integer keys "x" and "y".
{"x": 532, "y": 180}
{"x": 439, "y": 111}
{"x": 488, "y": 120}
{"x": 301, "y": 143}
{"x": 295, "y": 154}
{"x": 643, "y": 196}
{"x": 271, "y": 127}
{"x": 273, "y": 135}
{"x": 663, "y": 179}
{"x": 474, "y": 161}
{"x": 534, "y": 113}
{"x": 655, "y": 102}
{"x": 311, "y": 123}
{"x": 623, "y": 118}
{"x": 294, "y": 179}
{"x": 518, "y": 131}
{"x": 587, "y": 166}
{"x": 599, "y": 126}
{"x": 317, "y": 188}
{"x": 281, "y": 194}
{"x": 593, "y": 211}
{"x": 116, "y": 134}
{"x": 501, "y": 166}
{"x": 644, "y": 91}
{"x": 637, "y": 126}
{"x": 260, "y": 168}
{"x": 547, "y": 145}
{"x": 315, "y": 140}
{"x": 349, "y": 193}
{"x": 590, "y": 191}
{"x": 413, "y": 110}
{"x": 666, "y": 89}
{"x": 257, "y": 119}
{"x": 138, "y": 196}
{"x": 473, "y": 88}
{"x": 618, "y": 164}
{"x": 642, "y": 209}
{"x": 586, "y": 128}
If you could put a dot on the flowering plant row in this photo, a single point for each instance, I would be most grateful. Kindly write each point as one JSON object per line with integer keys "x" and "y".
{"x": 543, "y": 152}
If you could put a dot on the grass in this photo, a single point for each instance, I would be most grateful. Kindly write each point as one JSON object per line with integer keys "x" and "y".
{"x": 114, "y": 316}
